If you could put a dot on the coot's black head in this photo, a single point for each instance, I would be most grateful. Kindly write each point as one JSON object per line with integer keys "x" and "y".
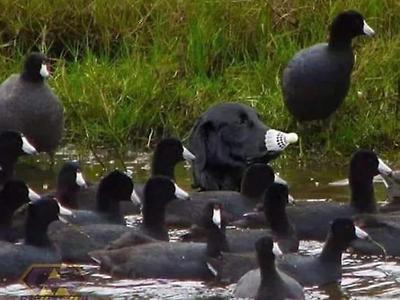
{"x": 256, "y": 179}
{"x": 347, "y": 25}
{"x": 363, "y": 165}
{"x": 167, "y": 154}
{"x": 35, "y": 67}
{"x": 116, "y": 186}
{"x": 14, "y": 194}
{"x": 172, "y": 149}
{"x": 70, "y": 176}
{"x": 40, "y": 214}
{"x": 43, "y": 211}
{"x": 343, "y": 231}
{"x": 160, "y": 190}
{"x": 14, "y": 144}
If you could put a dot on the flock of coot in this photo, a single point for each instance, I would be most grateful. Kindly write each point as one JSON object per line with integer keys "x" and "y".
{"x": 229, "y": 148}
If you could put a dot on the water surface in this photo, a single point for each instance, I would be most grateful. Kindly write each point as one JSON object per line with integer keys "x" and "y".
{"x": 366, "y": 278}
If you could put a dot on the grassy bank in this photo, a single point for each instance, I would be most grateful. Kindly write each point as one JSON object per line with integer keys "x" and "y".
{"x": 127, "y": 68}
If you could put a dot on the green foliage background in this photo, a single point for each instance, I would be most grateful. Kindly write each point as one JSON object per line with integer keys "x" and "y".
{"x": 126, "y": 68}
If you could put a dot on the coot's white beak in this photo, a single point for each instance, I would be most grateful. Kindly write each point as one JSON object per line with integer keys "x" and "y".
{"x": 383, "y": 168}
{"x": 187, "y": 155}
{"x": 216, "y": 218}
{"x": 291, "y": 200}
{"x": 277, "y": 250}
{"x": 279, "y": 180}
{"x": 62, "y": 219}
{"x": 212, "y": 269}
{"x": 135, "y": 198}
{"x": 63, "y": 210}
{"x": 80, "y": 180}
{"x": 33, "y": 196}
{"x": 361, "y": 234}
{"x": 27, "y": 147}
{"x": 367, "y": 29}
{"x": 44, "y": 71}
{"x": 180, "y": 193}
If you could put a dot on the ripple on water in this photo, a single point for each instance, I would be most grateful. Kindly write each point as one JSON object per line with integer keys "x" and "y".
{"x": 160, "y": 289}
{"x": 366, "y": 278}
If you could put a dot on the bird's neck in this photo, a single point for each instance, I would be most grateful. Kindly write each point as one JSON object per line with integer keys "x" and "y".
{"x": 67, "y": 196}
{"x": 36, "y": 233}
{"x": 363, "y": 195}
{"x": 108, "y": 205}
{"x": 339, "y": 43}
{"x": 7, "y": 167}
{"x": 163, "y": 167}
{"x": 332, "y": 250}
{"x": 153, "y": 218}
{"x": 216, "y": 242}
{"x": 34, "y": 77}
{"x": 279, "y": 221}
{"x": 252, "y": 190}
{"x": 268, "y": 270}
{"x": 6, "y": 215}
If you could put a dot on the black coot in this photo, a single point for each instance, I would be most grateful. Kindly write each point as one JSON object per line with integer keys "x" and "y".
{"x": 70, "y": 183}
{"x": 37, "y": 248}
{"x": 28, "y": 105}
{"x": 317, "y": 79}
{"x": 113, "y": 189}
{"x": 256, "y": 179}
{"x": 14, "y": 195}
{"x": 274, "y": 283}
{"x": 76, "y": 241}
{"x": 168, "y": 260}
{"x": 325, "y": 267}
{"x": 312, "y": 219}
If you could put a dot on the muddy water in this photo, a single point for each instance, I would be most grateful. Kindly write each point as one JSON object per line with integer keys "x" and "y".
{"x": 366, "y": 278}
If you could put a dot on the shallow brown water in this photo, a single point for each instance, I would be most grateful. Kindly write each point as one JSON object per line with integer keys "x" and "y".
{"x": 366, "y": 278}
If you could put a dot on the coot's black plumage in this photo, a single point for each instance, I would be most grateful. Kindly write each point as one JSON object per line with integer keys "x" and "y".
{"x": 241, "y": 258}
{"x": 76, "y": 241}
{"x": 274, "y": 283}
{"x": 384, "y": 229}
{"x": 325, "y": 267}
{"x": 70, "y": 182}
{"x": 113, "y": 189}
{"x": 13, "y": 196}
{"x": 167, "y": 154}
{"x": 256, "y": 179}
{"x": 317, "y": 79}
{"x": 37, "y": 248}
{"x": 159, "y": 192}
{"x": 28, "y": 105}
{"x": 280, "y": 227}
{"x": 312, "y": 219}
{"x": 168, "y": 260}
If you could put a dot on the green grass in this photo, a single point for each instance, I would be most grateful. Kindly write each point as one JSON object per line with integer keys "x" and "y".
{"x": 129, "y": 68}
